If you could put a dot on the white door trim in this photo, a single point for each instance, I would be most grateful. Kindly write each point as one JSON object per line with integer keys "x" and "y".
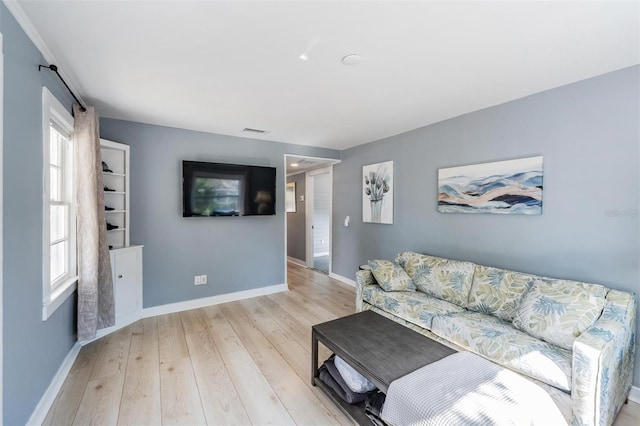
{"x": 1, "y": 224}
{"x": 286, "y": 223}
{"x": 308, "y": 218}
{"x": 308, "y": 195}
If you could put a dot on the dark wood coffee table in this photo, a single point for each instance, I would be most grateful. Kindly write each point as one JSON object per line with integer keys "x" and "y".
{"x": 378, "y": 348}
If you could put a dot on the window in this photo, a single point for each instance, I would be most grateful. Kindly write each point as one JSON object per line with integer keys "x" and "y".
{"x": 59, "y": 212}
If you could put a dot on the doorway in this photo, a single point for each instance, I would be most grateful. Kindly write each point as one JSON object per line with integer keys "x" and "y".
{"x": 308, "y": 211}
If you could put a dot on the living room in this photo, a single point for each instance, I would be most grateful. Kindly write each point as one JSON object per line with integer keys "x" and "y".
{"x": 583, "y": 121}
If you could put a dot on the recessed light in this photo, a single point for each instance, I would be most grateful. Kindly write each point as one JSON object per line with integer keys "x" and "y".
{"x": 294, "y": 164}
{"x": 352, "y": 59}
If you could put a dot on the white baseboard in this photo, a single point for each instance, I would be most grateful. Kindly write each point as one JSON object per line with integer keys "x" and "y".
{"x": 213, "y": 300}
{"x": 43, "y": 407}
{"x": 186, "y": 305}
{"x": 634, "y": 395}
{"x": 345, "y": 280}
{"x": 297, "y": 261}
{"x": 122, "y": 322}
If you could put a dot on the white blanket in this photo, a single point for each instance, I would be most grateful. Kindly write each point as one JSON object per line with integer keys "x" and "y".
{"x": 465, "y": 389}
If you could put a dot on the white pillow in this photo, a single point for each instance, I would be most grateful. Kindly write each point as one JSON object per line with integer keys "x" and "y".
{"x": 356, "y": 381}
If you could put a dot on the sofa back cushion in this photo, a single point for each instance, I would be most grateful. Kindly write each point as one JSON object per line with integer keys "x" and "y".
{"x": 498, "y": 292}
{"x": 418, "y": 264}
{"x": 390, "y": 276}
{"x": 445, "y": 279}
{"x": 559, "y": 311}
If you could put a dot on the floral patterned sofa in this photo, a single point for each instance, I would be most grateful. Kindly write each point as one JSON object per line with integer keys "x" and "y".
{"x": 575, "y": 339}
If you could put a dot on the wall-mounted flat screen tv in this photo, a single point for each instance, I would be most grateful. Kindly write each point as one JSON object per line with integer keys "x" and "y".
{"x": 218, "y": 189}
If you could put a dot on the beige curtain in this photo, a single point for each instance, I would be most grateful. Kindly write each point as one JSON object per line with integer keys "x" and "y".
{"x": 95, "y": 283}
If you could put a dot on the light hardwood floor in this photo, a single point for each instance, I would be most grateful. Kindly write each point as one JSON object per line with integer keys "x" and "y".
{"x": 245, "y": 362}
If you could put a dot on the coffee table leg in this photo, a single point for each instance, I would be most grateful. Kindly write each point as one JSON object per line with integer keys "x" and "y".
{"x": 314, "y": 358}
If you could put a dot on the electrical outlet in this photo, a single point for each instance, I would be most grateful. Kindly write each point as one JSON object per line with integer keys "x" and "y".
{"x": 199, "y": 279}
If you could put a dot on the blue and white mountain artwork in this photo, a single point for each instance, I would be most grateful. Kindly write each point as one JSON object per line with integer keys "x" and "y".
{"x": 514, "y": 192}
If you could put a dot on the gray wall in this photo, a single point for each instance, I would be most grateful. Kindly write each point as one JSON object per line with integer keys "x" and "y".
{"x": 33, "y": 349}
{"x": 236, "y": 253}
{"x": 296, "y": 222}
{"x": 588, "y": 133}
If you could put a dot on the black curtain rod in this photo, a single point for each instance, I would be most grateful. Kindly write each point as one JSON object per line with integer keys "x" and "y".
{"x": 55, "y": 69}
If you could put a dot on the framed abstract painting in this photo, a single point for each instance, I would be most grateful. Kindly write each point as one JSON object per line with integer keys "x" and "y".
{"x": 502, "y": 187}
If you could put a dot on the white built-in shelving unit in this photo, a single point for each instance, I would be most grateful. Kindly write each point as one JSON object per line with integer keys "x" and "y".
{"x": 126, "y": 260}
{"x": 116, "y": 156}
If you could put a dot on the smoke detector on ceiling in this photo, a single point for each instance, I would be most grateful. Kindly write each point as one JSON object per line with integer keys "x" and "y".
{"x": 352, "y": 59}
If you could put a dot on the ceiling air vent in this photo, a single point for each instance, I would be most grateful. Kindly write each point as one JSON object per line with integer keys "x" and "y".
{"x": 254, "y": 131}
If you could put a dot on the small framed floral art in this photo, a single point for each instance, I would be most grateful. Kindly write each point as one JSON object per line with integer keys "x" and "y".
{"x": 377, "y": 193}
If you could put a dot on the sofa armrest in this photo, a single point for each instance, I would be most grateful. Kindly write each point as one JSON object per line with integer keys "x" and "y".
{"x": 603, "y": 359}
{"x": 363, "y": 278}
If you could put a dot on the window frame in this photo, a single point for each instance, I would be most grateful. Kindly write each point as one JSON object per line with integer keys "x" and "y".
{"x": 54, "y": 294}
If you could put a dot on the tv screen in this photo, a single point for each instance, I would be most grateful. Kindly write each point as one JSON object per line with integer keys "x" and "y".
{"x": 217, "y": 189}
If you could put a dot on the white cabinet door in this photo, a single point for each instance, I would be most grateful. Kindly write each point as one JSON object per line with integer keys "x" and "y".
{"x": 126, "y": 265}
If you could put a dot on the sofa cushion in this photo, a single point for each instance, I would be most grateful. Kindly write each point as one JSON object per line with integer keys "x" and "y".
{"x": 414, "y": 307}
{"x": 450, "y": 281}
{"x": 558, "y": 311}
{"x": 443, "y": 278}
{"x": 390, "y": 276}
{"x": 498, "y": 292}
{"x": 417, "y": 264}
{"x": 500, "y": 342}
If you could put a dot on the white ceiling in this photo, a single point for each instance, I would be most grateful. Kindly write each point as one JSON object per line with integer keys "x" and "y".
{"x": 221, "y": 66}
